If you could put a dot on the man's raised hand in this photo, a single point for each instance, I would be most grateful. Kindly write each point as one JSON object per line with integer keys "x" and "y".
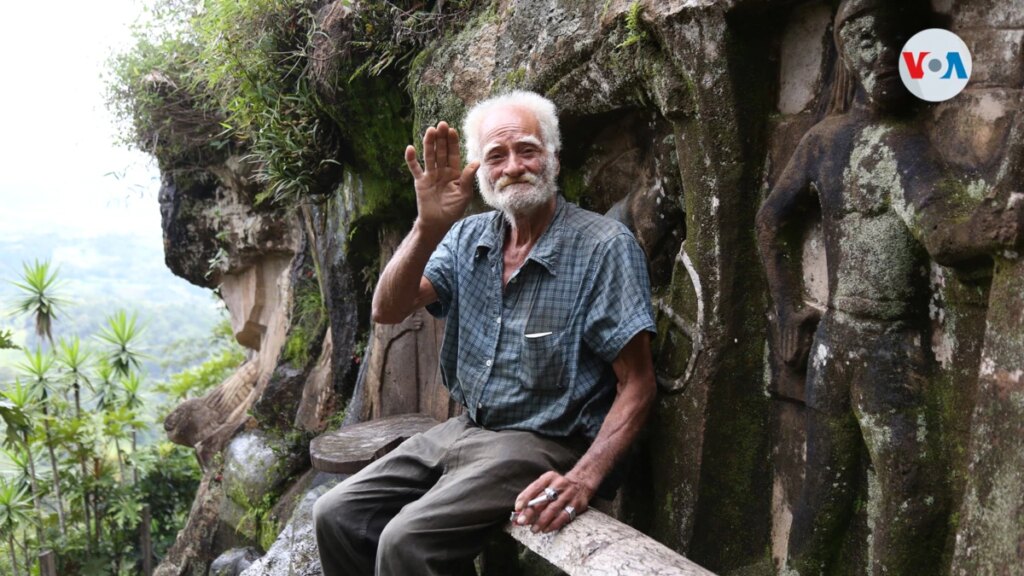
{"x": 443, "y": 187}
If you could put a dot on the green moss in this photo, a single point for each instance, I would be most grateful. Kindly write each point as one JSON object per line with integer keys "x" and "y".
{"x": 674, "y": 456}
{"x": 268, "y": 530}
{"x": 573, "y": 187}
{"x": 296, "y": 349}
{"x": 668, "y": 508}
{"x": 513, "y": 79}
{"x": 373, "y": 120}
{"x": 309, "y": 318}
{"x": 435, "y": 102}
{"x": 257, "y": 522}
{"x": 419, "y": 61}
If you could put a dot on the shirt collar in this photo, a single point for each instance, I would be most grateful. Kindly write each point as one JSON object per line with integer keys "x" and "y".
{"x": 545, "y": 252}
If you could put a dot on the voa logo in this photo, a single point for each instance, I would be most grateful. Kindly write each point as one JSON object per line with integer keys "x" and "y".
{"x": 935, "y": 65}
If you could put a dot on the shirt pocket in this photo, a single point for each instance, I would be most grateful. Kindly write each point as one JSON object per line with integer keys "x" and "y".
{"x": 543, "y": 361}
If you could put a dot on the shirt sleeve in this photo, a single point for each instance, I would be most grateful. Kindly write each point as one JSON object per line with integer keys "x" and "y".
{"x": 440, "y": 271}
{"x": 620, "y": 299}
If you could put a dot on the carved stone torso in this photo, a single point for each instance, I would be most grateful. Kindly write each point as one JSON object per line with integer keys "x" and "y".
{"x": 877, "y": 266}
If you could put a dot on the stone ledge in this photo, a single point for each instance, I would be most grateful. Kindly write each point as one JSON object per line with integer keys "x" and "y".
{"x": 596, "y": 544}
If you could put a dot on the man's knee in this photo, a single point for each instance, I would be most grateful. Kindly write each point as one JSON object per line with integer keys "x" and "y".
{"x": 321, "y": 512}
{"x": 403, "y": 535}
{"x": 394, "y": 536}
{"x": 330, "y": 515}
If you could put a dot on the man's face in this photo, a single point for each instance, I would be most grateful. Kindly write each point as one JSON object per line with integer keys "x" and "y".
{"x": 517, "y": 173}
{"x": 870, "y": 44}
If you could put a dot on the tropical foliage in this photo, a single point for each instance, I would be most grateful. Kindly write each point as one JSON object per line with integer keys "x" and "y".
{"x": 40, "y": 298}
{"x": 7, "y": 340}
{"x": 81, "y": 457}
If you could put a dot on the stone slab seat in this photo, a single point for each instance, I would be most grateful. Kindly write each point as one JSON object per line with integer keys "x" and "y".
{"x": 351, "y": 448}
{"x": 595, "y": 544}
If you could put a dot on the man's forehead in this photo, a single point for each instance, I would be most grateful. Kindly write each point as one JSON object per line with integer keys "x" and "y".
{"x": 500, "y": 142}
{"x": 510, "y": 121}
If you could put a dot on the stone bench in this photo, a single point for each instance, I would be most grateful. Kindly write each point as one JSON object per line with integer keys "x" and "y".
{"x": 594, "y": 544}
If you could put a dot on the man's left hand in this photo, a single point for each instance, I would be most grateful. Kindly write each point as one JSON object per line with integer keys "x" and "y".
{"x": 571, "y": 499}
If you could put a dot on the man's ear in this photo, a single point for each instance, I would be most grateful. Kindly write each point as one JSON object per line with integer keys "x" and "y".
{"x": 558, "y": 165}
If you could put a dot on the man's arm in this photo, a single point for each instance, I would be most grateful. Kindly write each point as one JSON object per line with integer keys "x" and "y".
{"x": 635, "y": 395}
{"x": 443, "y": 189}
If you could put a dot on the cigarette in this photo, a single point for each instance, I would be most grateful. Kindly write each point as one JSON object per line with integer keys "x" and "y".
{"x": 537, "y": 500}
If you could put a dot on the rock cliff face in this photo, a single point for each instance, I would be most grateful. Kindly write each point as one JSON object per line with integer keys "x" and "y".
{"x": 680, "y": 118}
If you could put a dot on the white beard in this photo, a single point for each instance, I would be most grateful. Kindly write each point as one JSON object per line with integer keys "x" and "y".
{"x": 521, "y": 196}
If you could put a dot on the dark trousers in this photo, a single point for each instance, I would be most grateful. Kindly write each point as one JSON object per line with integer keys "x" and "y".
{"x": 427, "y": 507}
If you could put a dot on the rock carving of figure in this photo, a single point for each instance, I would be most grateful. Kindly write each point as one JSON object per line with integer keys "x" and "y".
{"x": 888, "y": 206}
{"x": 196, "y": 419}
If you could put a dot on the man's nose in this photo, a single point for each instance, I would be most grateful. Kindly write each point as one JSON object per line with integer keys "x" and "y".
{"x": 514, "y": 166}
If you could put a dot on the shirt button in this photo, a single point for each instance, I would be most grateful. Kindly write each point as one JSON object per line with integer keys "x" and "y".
{"x": 498, "y": 319}
{"x": 479, "y": 405}
{"x": 488, "y": 363}
{"x": 513, "y": 280}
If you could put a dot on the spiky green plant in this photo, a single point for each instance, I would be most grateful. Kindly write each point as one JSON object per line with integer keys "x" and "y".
{"x": 74, "y": 360}
{"x": 120, "y": 423}
{"x": 15, "y": 510}
{"x": 105, "y": 388}
{"x": 131, "y": 399}
{"x": 22, "y": 402}
{"x": 121, "y": 335}
{"x": 40, "y": 296}
{"x": 39, "y": 368}
{"x": 7, "y": 340}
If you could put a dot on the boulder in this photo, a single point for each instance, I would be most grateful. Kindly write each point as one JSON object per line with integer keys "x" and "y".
{"x": 234, "y": 562}
{"x": 294, "y": 553}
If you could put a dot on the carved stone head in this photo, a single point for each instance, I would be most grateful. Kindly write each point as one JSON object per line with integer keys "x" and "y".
{"x": 869, "y": 35}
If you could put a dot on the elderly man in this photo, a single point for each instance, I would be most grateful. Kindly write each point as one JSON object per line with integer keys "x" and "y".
{"x": 547, "y": 345}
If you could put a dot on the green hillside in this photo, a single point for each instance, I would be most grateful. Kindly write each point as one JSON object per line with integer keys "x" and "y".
{"x": 100, "y": 275}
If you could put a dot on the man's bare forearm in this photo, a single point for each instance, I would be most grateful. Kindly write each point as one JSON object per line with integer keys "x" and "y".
{"x": 573, "y": 492}
{"x": 398, "y": 291}
{"x": 625, "y": 419}
{"x": 618, "y": 432}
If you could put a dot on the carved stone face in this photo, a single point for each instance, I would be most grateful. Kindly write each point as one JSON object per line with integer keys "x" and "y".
{"x": 869, "y": 43}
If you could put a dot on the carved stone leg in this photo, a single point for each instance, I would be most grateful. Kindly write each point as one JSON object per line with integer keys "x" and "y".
{"x": 907, "y": 499}
{"x": 823, "y": 514}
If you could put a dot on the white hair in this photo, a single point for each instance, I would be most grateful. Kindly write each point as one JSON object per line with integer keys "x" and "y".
{"x": 542, "y": 108}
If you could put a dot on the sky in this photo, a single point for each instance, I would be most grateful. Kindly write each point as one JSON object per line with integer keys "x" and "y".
{"x": 61, "y": 168}
{"x": 69, "y": 192}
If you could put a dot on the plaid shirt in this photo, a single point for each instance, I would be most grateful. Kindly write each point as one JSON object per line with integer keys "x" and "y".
{"x": 537, "y": 356}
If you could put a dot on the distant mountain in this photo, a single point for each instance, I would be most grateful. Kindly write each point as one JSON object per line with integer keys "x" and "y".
{"x": 100, "y": 275}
